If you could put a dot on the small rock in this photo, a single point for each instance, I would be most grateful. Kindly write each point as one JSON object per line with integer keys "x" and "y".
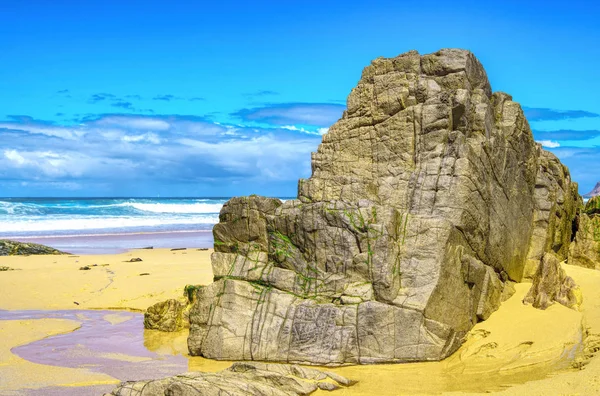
{"x": 178, "y": 249}
{"x": 203, "y": 249}
{"x": 85, "y": 268}
{"x": 144, "y": 273}
{"x": 551, "y": 284}
{"x": 134, "y": 260}
{"x": 6, "y": 269}
{"x": 165, "y": 316}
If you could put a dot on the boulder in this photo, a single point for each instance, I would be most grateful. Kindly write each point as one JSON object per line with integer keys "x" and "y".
{"x": 14, "y": 248}
{"x": 171, "y": 315}
{"x": 427, "y": 198}
{"x": 165, "y": 316}
{"x": 551, "y": 284}
{"x": 241, "y": 379}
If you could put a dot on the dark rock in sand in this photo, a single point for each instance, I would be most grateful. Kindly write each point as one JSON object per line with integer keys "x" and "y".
{"x": 14, "y": 248}
{"x": 134, "y": 260}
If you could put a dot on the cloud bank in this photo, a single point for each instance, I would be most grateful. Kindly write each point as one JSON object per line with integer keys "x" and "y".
{"x": 123, "y": 149}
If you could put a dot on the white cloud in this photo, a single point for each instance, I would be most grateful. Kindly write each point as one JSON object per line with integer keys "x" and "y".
{"x": 319, "y": 131}
{"x": 14, "y": 156}
{"x": 147, "y": 137}
{"x": 549, "y": 143}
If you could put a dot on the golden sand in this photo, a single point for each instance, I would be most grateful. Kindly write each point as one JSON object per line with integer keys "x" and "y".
{"x": 519, "y": 350}
{"x": 56, "y": 282}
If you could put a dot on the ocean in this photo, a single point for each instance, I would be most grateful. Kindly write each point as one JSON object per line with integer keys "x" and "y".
{"x": 109, "y": 225}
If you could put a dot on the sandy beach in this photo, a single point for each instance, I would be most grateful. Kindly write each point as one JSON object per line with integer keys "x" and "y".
{"x": 519, "y": 350}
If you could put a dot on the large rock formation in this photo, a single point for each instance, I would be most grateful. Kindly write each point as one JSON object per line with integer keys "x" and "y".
{"x": 425, "y": 198}
{"x": 585, "y": 248}
{"x": 241, "y": 379}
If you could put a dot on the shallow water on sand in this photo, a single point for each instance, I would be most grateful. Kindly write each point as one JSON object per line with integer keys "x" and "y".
{"x": 115, "y": 343}
{"x": 107, "y": 341}
{"x": 110, "y": 342}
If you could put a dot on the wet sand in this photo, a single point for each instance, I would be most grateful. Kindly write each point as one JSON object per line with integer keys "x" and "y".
{"x": 120, "y": 243}
{"x": 519, "y": 350}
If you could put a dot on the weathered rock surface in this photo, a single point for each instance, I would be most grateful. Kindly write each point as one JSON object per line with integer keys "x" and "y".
{"x": 425, "y": 198}
{"x": 240, "y": 379}
{"x": 551, "y": 284}
{"x": 557, "y": 204}
{"x": 585, "y": 248}
{"x": 171, "y": 315}
{"x": 165, "y": 316}
{"x": 14, "y": 248}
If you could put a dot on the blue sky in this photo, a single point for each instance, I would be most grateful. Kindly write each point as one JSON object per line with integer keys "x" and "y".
{"x": 146, "y": 98}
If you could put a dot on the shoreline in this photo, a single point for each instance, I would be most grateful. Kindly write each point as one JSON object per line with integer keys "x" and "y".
{"x": 116, "y": 243}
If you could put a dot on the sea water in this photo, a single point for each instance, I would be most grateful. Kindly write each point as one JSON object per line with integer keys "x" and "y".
{"x": 40, "y": 217}
{"x": 110, "y": 225}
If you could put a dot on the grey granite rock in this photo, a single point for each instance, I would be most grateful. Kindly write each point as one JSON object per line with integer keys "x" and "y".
{"x": 427, "y": 198}
{"x": 241, "y": 379}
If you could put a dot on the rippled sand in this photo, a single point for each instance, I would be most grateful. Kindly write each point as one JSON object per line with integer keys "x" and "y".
{"x": 518, "y": 351}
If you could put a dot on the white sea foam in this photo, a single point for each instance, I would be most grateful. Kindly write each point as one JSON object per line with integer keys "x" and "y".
{"x": 175, "y": 208}
{"x": 98, "y": 223}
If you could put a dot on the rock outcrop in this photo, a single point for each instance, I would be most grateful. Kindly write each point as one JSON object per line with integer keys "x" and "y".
{"x": 585, "y": 248}
{"x": 551, "y": 284}
{"x": 14, "y": 248}
{"x": 426, "y": 197}
{"x": 241, "y": 379}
